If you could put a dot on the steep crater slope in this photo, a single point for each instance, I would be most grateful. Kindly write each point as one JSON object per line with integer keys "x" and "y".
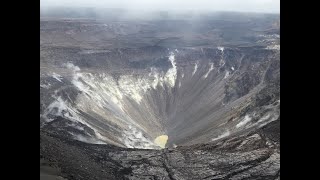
{"x": 192, "y": 95}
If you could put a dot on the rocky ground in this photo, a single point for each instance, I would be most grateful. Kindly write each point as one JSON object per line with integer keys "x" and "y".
{"x": 253, "y": 155}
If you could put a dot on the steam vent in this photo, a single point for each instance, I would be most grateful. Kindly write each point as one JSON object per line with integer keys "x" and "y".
{"x": 177, "y": 97}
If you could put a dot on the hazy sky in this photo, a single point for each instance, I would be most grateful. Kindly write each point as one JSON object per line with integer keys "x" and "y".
{"x": 270, "y": 6}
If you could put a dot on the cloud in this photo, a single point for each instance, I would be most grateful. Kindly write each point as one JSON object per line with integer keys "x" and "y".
{"x": 269, "y": 6}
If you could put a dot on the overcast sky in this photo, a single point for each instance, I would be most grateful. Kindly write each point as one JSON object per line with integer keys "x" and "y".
{"x": 269, "y": 6}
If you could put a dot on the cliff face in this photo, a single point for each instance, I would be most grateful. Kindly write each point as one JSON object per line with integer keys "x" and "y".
{"x": 102, "y": 104}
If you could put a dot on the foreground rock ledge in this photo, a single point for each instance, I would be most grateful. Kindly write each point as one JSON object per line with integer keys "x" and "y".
{"x": 251, "y": 155}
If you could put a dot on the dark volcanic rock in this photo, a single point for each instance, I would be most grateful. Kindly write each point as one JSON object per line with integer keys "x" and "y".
{"x": 253, "y": 155}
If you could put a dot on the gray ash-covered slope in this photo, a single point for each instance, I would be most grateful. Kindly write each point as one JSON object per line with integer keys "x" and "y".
{"x": 109, "y": 86}
{"x": 191, "y": 95}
